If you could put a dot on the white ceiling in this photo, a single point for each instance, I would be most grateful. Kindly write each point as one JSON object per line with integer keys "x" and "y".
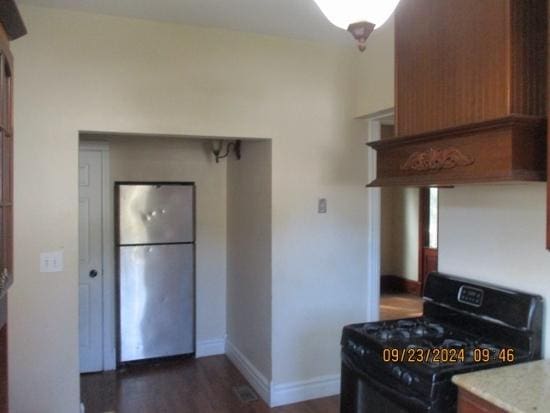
{"x": 299, "y": 19}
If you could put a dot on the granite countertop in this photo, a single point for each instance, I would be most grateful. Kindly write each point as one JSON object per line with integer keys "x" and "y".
{"x": 519, "y": 388}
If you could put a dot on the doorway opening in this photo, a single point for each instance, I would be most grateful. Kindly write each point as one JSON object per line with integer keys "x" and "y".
{"x": 429, "y": 233}
{"x": 109, "y": 158}
{"x": 403, "y": 237}
{"x": 233, "y": 262}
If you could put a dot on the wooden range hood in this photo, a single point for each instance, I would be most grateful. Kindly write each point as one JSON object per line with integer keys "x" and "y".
{"x": 505, "y": 149}
{"x": 470, "y": 94}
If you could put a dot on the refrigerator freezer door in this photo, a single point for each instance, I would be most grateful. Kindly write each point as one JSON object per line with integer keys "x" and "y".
{"x": 156, "y": 301}
{"x": 155, "y": 214}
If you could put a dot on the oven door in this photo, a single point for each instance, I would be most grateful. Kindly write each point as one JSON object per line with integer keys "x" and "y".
{"x": 363, "y": 393}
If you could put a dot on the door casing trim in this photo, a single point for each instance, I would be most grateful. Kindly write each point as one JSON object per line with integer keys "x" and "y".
{"x": 374, "y": 217}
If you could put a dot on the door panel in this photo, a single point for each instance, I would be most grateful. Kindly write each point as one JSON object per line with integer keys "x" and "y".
{"x": 155, "y": 214}
{"x": 90, "y": 257}
{"x": 84, "y": 315}
{"x": 156, "y": 301}
{"x": 429, "y": 262}
{"x": 84, "y": 230}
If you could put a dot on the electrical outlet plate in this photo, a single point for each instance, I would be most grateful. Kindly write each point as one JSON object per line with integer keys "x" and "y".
{"x": 51, "y": 261}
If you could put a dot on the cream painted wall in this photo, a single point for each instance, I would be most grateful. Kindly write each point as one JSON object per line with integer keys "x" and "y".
{"x": 135, "y": 158}
{"x": 406, "y": 227}
{"x": 77, "y": 71}
{"x": 497, "y": 234}
{"x": 249, "y": 254}
{"x": 387, "y": 261}
{"x": 375, "y": 72}
{"x": 399, "y": 232}
{"x": 325, "y": 285}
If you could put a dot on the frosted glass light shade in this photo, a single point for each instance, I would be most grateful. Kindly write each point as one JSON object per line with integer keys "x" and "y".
{"x": 342, "y": 13}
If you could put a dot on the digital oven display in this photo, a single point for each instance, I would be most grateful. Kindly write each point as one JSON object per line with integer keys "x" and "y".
{"x": 470, "y": 296}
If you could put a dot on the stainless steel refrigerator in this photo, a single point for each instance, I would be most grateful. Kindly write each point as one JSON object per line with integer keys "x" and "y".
{"x": 156, "y": 291}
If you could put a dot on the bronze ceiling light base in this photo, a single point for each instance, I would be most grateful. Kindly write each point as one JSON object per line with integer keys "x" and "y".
{"x": 361, "y": 31}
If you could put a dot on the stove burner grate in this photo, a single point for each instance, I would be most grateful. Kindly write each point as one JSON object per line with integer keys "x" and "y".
{"x": 401, "y": 330}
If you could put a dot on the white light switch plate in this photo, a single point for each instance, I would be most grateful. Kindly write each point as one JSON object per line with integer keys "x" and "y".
{"x": 322, "y": 206}
{"x": 51, "y": 261}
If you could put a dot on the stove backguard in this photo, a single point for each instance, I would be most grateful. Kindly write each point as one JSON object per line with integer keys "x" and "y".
{"x": 507, "y": 316}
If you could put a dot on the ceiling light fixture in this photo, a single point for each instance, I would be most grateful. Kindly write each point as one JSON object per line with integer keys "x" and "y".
{"x": 359, "y": 17}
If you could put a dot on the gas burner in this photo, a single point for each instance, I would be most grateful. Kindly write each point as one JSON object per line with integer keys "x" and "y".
{"x": 428, "y": 330}
{"x": 404, "y": 330}
{"x": 493, "y": 350}
{"x": 371, "y": 329}
{"x": 406, "y": 324}
{"x": 393, "y": 334}
{"x": 418, "y": 346}
{"x": 420, "y": 331}
{"x": 437, "y": 328}
{"x": 385, "y": 334}
{"x": 491, "y": 347}
{"x": 470, "y": 356}
{"x": 450, "y": 343}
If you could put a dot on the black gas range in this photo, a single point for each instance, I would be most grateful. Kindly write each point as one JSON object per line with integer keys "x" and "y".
{"x": 406, "y": 365}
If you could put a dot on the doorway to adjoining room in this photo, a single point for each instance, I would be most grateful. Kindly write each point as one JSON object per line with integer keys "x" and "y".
{"x": 408, "y": 239}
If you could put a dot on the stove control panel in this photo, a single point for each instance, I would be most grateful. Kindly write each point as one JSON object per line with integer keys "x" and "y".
{"x": 404, "y": 376}
{"x": 470, "y": 295}
{"x": 358, "y": 349}
{"x": 407, "y": 378}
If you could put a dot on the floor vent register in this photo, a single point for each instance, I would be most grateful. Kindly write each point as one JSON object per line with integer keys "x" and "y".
{"x": 245, "y": 393}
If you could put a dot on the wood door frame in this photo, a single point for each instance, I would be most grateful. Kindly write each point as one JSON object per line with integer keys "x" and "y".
{"x": 548, "y": 145}
{"x": 107, "y": 246}
{"x": 423, "y": 195}
{"x": 374, "y": 217}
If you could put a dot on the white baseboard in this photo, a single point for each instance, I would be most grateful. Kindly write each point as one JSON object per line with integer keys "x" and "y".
{"x": 283, "y": 393}
{"x": 207, "y": 348}
{"x": 256, "y": 379}
{"x": 299, "y": 391}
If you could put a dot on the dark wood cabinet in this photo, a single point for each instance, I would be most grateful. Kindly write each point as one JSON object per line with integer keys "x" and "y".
{"x": 548, "y": 152}
{"x": 461, "y": 62}
{"x": 470, "y": 403}
{"x": 6, "y": 205}
{"x": 6, "y": 164}
{"x": 470, "y": 93}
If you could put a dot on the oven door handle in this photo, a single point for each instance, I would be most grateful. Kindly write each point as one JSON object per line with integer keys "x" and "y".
{"x": 411, "y": 402}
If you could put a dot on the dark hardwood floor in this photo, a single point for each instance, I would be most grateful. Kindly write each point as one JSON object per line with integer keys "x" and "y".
{"x": 202, "y": 385}
{"x": 394, "y": 306}
{"x": 181, "y": 386}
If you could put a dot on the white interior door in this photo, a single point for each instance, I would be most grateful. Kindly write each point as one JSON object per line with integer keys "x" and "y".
{"x": 91, "y": 262}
